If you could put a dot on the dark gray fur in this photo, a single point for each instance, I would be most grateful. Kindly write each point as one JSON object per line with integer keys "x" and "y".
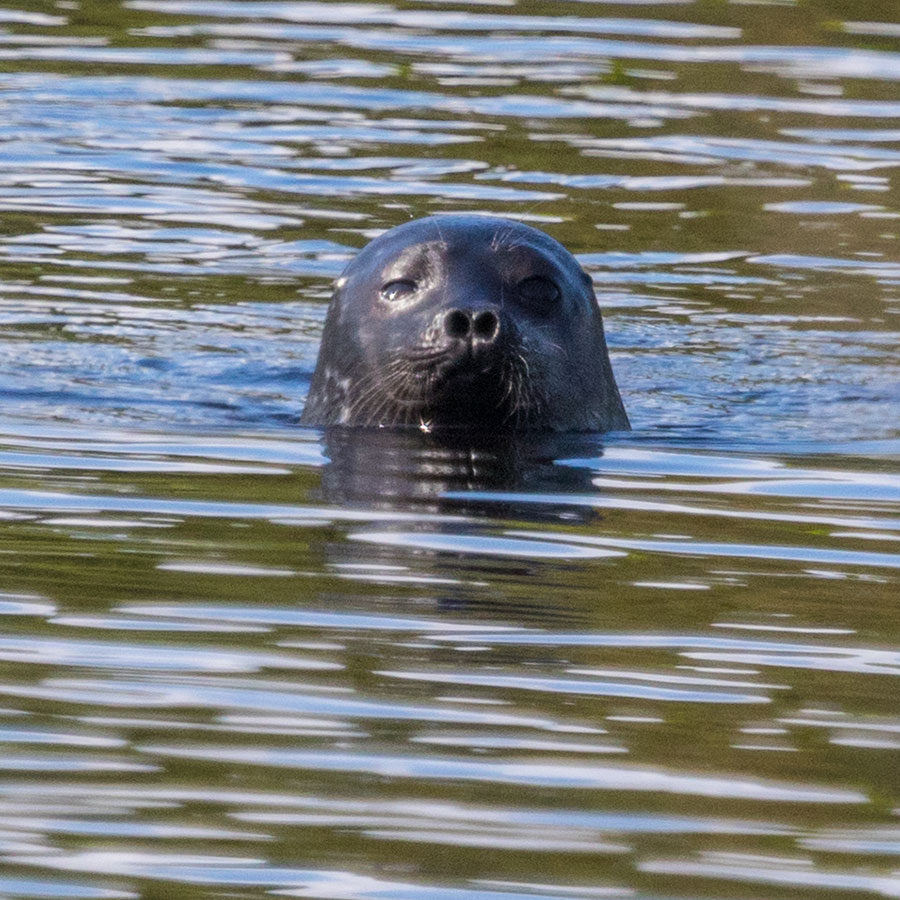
{"x": 466, "y": 346}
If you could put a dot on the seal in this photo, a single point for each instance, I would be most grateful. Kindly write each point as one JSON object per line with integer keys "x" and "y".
{"x": 466, "y": 322}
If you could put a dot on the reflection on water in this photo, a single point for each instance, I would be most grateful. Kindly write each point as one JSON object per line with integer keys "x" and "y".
{"x": 244, "y": 658}
{"x": 423, "y": 665}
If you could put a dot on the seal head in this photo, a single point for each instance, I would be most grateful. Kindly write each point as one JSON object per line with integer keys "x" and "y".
{"x": 467, "y": 322}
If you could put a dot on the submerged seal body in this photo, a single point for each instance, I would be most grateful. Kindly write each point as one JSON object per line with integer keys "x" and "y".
{"x": 467, "y": 322}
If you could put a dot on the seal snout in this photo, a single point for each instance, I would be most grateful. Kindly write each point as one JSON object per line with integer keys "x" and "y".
{"x": 477, "y": 326}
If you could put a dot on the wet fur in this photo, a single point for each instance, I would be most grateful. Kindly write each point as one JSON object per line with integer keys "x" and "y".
{"x": 384, "y": 365}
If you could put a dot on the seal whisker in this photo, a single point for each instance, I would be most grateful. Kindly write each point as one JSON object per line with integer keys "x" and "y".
{"x": 427, "y": 354}
{"x": 372, "y": 390}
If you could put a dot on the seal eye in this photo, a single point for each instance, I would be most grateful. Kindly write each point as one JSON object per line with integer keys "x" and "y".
{"x": 538, "y": 289}
{"x": 398, "y": 290}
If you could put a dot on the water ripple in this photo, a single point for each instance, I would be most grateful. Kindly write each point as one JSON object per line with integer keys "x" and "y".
{"x": 243, "y": 656}
{"x": 572, "y": 776}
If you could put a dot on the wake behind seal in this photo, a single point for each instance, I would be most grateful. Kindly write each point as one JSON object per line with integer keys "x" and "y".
{"x": 468, "y": 322}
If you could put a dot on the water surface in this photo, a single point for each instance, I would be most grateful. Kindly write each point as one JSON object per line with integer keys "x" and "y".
{"x": 245, "y": 659}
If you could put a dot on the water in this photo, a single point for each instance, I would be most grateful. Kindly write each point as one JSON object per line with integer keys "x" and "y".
{"x": 245, "y": 659}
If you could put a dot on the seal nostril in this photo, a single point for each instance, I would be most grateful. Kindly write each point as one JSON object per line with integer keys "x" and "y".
{"x": 456, "y": 323}
{"x": 486, "y": 325}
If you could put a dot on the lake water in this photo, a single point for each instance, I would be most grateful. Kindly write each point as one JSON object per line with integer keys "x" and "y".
{"x": 245, "y": 659}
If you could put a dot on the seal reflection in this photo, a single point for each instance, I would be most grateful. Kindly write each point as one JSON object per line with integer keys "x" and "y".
{"x": 450, "y": 502}
{"x": 450, "y": 471}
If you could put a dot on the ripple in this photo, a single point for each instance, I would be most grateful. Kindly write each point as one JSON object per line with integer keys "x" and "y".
{"x": 786, "y": 871}
{"x": 28, "y": 887}
{"x": 207, "y": 567}
{"x": 520, "y": 544}
{"x": 61, "y": 502}
{"x": 259, "y": 697}
{"x": 25, "y": 605}
{"x": 139, "y": 830}
{"x": 570, "y": 776}
{"x": 881, "y": 29}
{"x": 99, "y": 654}
{"x": 868, "y": 841}
{"x": 142, "y": 56}
{"x": 225, "y": 870}
{"x": 864, "y": 558}
{"x": 62, "y": 764}
{"x": 495, "y": 742}
{"x": 752, "y": 102}
{"x": 821, "y": 208}
{"x": 31, "y": 18}
{"x": 405, "y": 813}
{"x": 880, "y": 268}
{"x": 699, "y": 150}
{"x": 608, "y": 688}
{"x": 308, "y": 94}
{"x": 371, "y": 13}
{"x": 822, "y": 657}
{"x": 311, "y": 618}
{"x": 127, "y": 464}
{"x": 19, "y": 736}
